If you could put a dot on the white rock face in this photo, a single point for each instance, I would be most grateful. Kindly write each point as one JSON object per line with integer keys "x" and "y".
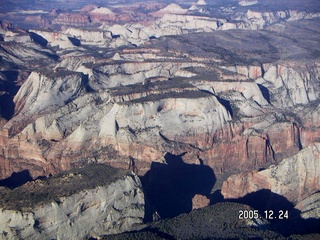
{"x": 177, "y": 117}
{"x": 23, "y": 52}
{"x": 310, "y": 206}
{"x": 58, "y": 108}
{"x": 259, "y": 20}
{"x": 172, "y": 8}
{"x": 171, "y": 20}
{"x": 55, "y": 39}
{"x": 120, "y": 30}
{"x": 41, "y": 92}
{"x": 171, "y": 117}
{"x": 296, "y": 15}
{"x": 15, "y": 37}
{"x": 177, "y": 24}
{"x": 193, "y": 8}
{"x": 292, "y": 85}
{"x": 111, "y": 75}
{"x": 90, "y": 37}
{"x": 90, "y": 213}
{"x": 76, "y": 64}
{"x": 249, "y": 90}
{"x": 44, "y": 93}
{"x": 102, "y": 10}
{"x": 254, "y": 20}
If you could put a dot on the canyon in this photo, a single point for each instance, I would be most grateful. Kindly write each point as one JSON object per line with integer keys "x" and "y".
{"x": 202, "y": 101}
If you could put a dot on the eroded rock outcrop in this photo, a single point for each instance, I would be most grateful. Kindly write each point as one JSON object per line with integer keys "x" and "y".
{"x": 171, "y": 8}
{"x": 294, "y": 178}
{"x": 79, "y": 204}
{"x": 72, "y": 19}
{"x": 200, "y": 201}
{"x": 58, "y": 39}
{"x": 310, "y": 206}
{"x": 43, "y": 93}
{"x": 291, "y": 84}
{"x": 90, "y": 37}
{"x": 23, "y": 53}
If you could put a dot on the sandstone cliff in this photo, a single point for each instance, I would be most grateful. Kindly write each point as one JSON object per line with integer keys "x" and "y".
{"x": 55, "y": 39}
{"x": 184, "y": 97}
{"x": 123, "y": 123}
{"x": 72, "y": 19}
{"x": 294, "y": 178}
{"x": 24, "y": 53}
{"x": 101, "y": 89}
{"x": 310, "y": 206}
{"x": 235, "y": 107}
{"x": 79, "y": 204}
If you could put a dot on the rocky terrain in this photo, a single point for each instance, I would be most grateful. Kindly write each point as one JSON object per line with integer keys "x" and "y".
{"x": 294, "y": 178}
{"x": 206, "y": 102}
{"x": 78, "y": 204}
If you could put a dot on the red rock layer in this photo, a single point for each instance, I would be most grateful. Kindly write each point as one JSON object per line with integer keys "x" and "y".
{"x": 200, "y": 201}
{"x": 226, "y": 150}
{"x": 294, "y": 178}
{"x": 72, "y": 19}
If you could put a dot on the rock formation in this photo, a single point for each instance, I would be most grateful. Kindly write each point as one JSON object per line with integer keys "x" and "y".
{"x": 88, "y": 202}
{"x": 72, "y": 19}
{"x": 55, "y": 39}
{"x": 294, "y": 178}
{"x": 102, "y": 10}
{"x": 200, "y": 201}
{"x": 171, "y": 9}
{"x": 310, "y": 206}
{"x": 226, "y": 88}
{"x": 217, "y": 109}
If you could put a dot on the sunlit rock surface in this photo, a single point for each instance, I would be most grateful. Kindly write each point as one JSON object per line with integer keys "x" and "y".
{"x": 217, "y": 102}
{"x": 110, "y": 201}
{"x": 223, "y": 86}
{"x": 294, "y": 178}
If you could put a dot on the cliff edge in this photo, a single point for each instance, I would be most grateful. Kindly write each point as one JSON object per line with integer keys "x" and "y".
{"x": 78, "y": 204}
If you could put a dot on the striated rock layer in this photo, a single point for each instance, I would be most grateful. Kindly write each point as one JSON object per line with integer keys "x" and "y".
{"x": 295, "y": 178}
{"x": 310, "y": 206}
{"x": 233, "y": 100}
{"x": 77, "y": 112}
{"x": 79, "y": 204}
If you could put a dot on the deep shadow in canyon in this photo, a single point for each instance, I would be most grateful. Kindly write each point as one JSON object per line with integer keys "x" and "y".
{"x": 10, "y": 88}
{"x": 170, "y": 186}
{"x": 16, "y": 179}
{"x": 38, "y": 39}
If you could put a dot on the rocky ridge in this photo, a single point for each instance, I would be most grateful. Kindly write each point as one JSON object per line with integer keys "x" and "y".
{"x": 61, "y": 207}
